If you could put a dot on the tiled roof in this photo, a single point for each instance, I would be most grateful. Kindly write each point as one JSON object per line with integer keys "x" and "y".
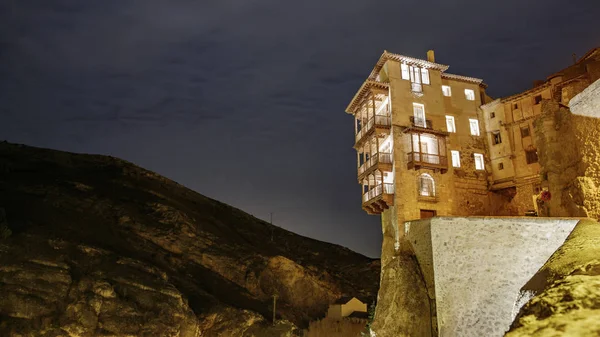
{"x": 547, "y": 83}
{"x": 364, "y": 88}
{"x": 372, "y": 79}
{"x": 463, "y": 78}
{"x": 407, "y": 59}
{"x": 526, "y": 92}
{"x": 589, "y": 54}
{"x": 491, "y": 104}
{"x": 343, "y": 300}
{"x": 359, "y": 314}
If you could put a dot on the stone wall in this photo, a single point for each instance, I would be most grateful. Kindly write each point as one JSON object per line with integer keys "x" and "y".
{"x": 569, "y": 153}
{"x": 474, "y": 267}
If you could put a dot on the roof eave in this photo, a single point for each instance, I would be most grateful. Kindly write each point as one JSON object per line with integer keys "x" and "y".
{"x": 349, "y": 109}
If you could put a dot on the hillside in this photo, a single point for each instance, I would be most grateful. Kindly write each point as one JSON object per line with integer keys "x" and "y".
{"x": 101, "y": 247}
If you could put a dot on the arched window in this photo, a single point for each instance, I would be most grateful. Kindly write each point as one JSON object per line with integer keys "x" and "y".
{"x": 426, "y": 185}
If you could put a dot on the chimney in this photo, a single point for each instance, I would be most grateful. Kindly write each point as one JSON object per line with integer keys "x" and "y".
{"x": 431, "y": 56}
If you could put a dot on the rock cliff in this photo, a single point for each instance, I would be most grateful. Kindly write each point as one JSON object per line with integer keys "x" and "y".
{"x": 101, "y": 247}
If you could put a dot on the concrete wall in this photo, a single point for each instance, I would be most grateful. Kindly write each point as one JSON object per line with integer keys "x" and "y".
{"x": 477, "y": 266}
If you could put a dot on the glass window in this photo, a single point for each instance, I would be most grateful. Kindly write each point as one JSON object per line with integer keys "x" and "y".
{"x": 478, "y": 161}
{"x": 474, "y": 123}
{"x": 415, "y": 74}
{"x": 425, "y": 75}
{"x": 450, "y": 124}
{"x": 525, "y": 131}
{"x": 419, "y": 115}
{"x": 455, "y": 158}
{"x": 501, "y": 166}
{"x": 446, "y": 90}
{"x": 470, "y": 94}
{"x": 496, "y": 138}
{"x": 426, "y": 185}
{"x": 405, "y": 74}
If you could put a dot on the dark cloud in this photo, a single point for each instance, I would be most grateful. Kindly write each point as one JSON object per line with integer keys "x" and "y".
{"x": 243, "y": 100}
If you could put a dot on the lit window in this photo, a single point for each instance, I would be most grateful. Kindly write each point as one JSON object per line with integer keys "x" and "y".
{"x": 496, "y": 138}
{"x": 478, "y": 161}
{"x": 450, "y": 124}
{"x": 405, "y": 73}
{"x": 419, "y": 115}
{"x": 474, "y": 127}
{"x": 425, "y": 75}
{"x": 426, "y": 185}
{"x": 446, "y": 90}
{"x": 470, "y": 94}
{"x": 455, "y": 158}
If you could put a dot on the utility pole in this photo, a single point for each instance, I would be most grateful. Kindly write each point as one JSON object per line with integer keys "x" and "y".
{"x": 274, "y": 306}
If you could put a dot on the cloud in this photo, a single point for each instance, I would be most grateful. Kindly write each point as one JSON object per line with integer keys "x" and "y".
{"x": 237, "y": 97}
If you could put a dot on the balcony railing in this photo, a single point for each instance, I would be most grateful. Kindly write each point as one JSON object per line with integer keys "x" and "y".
{"x": 377, "y": 191}
{"x": 377, "y": 121}
{"x": 416, "y": 87}
{"x": 421, "y": 123}
{"x": 381, "y": 157}
{"x": 419, "y": 159}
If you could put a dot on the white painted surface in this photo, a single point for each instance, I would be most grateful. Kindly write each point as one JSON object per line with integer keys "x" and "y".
{"x": 480, "y": 265}
{"x": 587, "y": 102}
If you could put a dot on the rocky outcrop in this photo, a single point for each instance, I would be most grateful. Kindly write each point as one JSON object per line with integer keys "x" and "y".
{"x": 56, "y": 288}
{"x": 568, "y": 150}
{"x": 403, "y": 308}
{"x": 566, "y": 289}
{"x": 101, "y": 247}
{"x": 403, "y": 304}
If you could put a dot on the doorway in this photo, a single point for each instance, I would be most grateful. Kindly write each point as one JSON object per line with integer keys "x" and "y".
{"x": 427, "y": 213}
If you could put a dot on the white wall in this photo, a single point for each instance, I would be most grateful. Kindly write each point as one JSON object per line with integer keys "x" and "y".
{"x": 480, "y": 265}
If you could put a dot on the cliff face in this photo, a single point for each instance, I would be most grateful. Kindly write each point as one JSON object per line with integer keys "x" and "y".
{"x": 102, "y": 247}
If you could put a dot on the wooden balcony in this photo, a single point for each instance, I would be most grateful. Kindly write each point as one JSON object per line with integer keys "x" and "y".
{"x": 428, "y": 148}
{"x": 379, "y": 124}
{"x": 417, "y": 160}
{"x": 378, "y": 198}
{"x": 381, "y": 161}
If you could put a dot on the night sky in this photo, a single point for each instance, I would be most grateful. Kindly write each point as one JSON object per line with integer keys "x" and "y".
{"x": 243, "y": 100}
